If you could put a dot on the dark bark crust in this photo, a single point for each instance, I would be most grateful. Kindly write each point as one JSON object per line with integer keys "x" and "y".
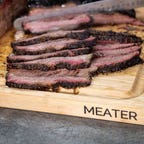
{"x": 100, "y": 35}
{"x": 75, "y": 52}
{"x": 117, "y": 67}
{"x": 54, "y": 87}
{"x": 74, "y": 35}
{"x": 44, "y": 67}
{"x": 113, "y": 36}
{"x": 74, "y": 45}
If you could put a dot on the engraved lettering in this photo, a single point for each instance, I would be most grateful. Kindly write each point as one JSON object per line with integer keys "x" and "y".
{"x": 115, "y": 112}
{"x": 132, "y": 115}
{"x": 107, "y": 112}
{"x": 98, "y": 111}
{"x": 86, "y": 110}
{"x": 112, "y": 113}
{"x": 124, "y": 114}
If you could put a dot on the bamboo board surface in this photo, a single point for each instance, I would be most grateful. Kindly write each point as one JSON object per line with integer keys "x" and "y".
{"x": 108, "y": 97}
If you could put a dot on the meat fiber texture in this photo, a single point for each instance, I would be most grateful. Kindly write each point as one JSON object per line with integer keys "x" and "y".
{"x": 50, "y": 80}
{"x": 78, "y": 34}
{"x": 71, "y": 22}
{"x": 70, "y": 62}
{"x": 62, "y": 63}
{"x": 73, "y": 52}
{"x": 10, "y": 9}
{"x": 54, "y": 45}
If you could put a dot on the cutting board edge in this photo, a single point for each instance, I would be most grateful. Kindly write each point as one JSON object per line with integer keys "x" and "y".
{"x": 96, "y": 108}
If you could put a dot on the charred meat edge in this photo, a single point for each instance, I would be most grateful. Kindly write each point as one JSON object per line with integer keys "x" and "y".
{"x": 73, "y": 45}
{"x": 12, "y": 58}
{"x": 62, "y": 63}
{"x": 77, "y": 34}
{"x": 118, "y": 66}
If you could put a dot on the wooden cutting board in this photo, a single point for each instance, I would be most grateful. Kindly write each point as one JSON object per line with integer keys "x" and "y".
{"x": 117, "y": 96}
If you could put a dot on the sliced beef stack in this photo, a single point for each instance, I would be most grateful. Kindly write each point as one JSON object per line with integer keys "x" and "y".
{"x": 69, "y": 59}
{"x": 52, "y": 60}
{"x": 65, "y": 52}
{"x": 115, "y": 51}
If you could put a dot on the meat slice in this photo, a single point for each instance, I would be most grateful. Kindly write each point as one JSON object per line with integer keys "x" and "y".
{"x": 39, "y": 73}
{"x": 45, "y": 25}
{"x": 46, "y": 83}
{"x": 114, "y": 52}
{"x": 46, "y": 80}
{"x": 112, "y": 46}
{"x": 115, "y": 63}
{"x": 74, "y": 52}
{"x": 76, "y": 34}
{"x": 70, "y": 63}
{"x": 59, "y": 72}
{"x": 102, "y": 37}
{"x": 54, "y": 45}
{"x": 42, "y": 80}
{"x": 110, "y": 37}
{"x": 113, "y": 19}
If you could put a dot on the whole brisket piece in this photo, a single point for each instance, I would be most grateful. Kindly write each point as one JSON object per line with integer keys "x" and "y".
{"x": 115, "y": 63}
{"x": 76, "y": 34}
{"x": 53, "y": 45}
{"x": 70, "y": 63}
{"x": 22, "y": 58}
{"x": 113, "y": 19}
{"x": 45, "y": 25}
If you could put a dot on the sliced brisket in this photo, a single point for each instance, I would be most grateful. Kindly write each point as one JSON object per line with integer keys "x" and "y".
{"x": 101, "y": 37}
{"x": 69, "y": 59}
{"x": 113, "y": 19}
{"x": 70, "y": 63}
{"x": 45, "y": 80}
{"x": 112, "y": 46}
{"x": 45, "y": 25}
{"x": 73, "y": 52}
{"x": 39, "y": 73}
{"x": 59, "y": 72}
{"x": 113, "y": 37}
{"x": 53, "y": 45}
{"x": 115, "y": 63}
{"x": 76, "y": 34}
{"x": 114, "y": 52}
{"x": 46, "y": 83}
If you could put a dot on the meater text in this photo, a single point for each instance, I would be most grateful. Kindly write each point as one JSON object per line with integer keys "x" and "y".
{"x": 113, "y": 113}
